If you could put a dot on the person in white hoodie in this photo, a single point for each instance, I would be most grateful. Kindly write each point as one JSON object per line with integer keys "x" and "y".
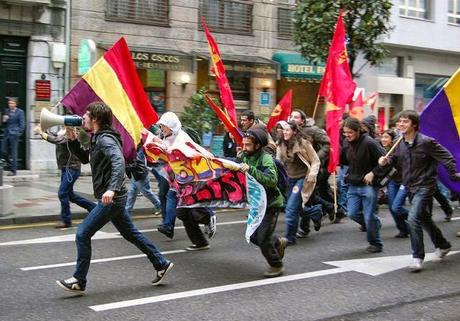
{"x": 176, "y": 138}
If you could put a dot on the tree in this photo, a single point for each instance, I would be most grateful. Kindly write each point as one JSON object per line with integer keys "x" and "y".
{"x": 367, "y": 22}
{"x": 198, "y": 115}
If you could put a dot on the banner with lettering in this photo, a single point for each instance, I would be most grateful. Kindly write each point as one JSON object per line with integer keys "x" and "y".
{"x": 210, "y": 182}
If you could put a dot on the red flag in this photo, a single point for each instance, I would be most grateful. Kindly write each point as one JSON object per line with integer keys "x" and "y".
{"x": 218, "y": 69}
{"x": 357, "y": 106}
{"x": 372, "y": 100}
{"x": 381, "y": 120}
{"x": 281, "y": 111}
{"x": 232, "y": 129}
{"x": 337, "y": 86}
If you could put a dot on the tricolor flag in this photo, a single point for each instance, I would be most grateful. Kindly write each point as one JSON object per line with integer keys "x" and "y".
{"x": 281, "y": 111}
{"x": 113, "y": 79}
{"x": 337, "y": 86}
{"x": 357, "y": 106}
{"x": 441, "y": 120}
{"x": 218, "y": 69}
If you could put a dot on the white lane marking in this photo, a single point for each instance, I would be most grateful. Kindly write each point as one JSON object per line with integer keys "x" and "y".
{"x": 98, "y": 236}
{"x": 109, "y": 259}
{"x": 217, "y": 289}
{"x": 181, "y": 227}
{"x": 455, "y": 218}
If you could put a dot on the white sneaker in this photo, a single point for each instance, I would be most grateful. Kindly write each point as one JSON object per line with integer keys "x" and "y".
{"x": 210, "y": 229}
{"x": 440, "y": 254}
{"x": 416, "y": 265}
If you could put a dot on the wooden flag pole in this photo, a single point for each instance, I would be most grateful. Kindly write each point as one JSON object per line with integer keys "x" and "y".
{"x": 316, "y": 106}
{"x": 394, "y": 146}
{"x": 334, "y": 186}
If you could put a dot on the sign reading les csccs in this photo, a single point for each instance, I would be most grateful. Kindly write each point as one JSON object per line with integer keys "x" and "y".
{"x": 145, "y": 56}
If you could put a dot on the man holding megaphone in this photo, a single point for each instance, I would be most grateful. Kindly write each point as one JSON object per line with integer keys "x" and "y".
{"x": 67, "y": 162}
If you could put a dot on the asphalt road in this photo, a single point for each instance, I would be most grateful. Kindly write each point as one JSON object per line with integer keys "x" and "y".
{"x": 225, "y": 282}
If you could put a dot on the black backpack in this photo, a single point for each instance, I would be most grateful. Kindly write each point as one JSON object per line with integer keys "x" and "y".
{"x": 283, "y": 178}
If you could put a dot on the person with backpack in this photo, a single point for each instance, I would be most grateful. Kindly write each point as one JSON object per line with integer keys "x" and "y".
{"x": 260, "y": 164}
{"x": 302, "y": 164}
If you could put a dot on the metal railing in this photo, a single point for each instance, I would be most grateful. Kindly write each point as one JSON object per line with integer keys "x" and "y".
{"x": 152, "y": 12}
{"x": 227, "y": 16}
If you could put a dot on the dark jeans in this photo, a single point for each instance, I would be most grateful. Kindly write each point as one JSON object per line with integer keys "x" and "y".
{"x": 168, "y": 200}
{"x": 66, "y": 195}
{"x": 396, "y": 197}
{"x": 420, "y": 218}
{"x": 443, "y": 201}
{"x": 117, "y": 214}
{"x": 264, "y": 238}
{"x": 10, "y": 151}
{"x": 191, "y": 218}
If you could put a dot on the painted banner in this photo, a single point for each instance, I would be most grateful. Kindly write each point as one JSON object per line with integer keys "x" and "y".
{"x": 210, "y": 182}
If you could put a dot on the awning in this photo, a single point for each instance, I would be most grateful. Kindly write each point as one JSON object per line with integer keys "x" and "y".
{"x": 294, "y": 66}
{"x": 255, "y": 66}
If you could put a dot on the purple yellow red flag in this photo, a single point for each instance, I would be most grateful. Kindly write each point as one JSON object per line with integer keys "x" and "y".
{"x": 218, "y": 69}
{"x": 281, "y": 111}
{"x": 357, "y": 106}
{"x": 337, "y": 86}
{"x": 441, "y": 120}
{"x": 113, "y": 79}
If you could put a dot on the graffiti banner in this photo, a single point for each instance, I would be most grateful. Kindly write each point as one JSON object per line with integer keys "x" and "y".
{"x": 210, "y": 182}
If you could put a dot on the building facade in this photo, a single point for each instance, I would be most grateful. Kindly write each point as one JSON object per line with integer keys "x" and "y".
{"x": 424, "y": 52}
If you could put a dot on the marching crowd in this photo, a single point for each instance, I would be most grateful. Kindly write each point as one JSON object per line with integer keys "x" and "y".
{"x": 401, "y": 161}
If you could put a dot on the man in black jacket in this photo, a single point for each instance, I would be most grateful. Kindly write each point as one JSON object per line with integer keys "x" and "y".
{"x": 363, "y": 156}
{"x": 108, "y": 170}
{"x": 419, "y": 156}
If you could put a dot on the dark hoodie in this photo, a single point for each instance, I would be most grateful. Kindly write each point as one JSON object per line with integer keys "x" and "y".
{"x": 107, "y": 162}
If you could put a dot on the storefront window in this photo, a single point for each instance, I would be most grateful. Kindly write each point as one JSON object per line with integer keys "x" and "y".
{"x": 239, "y": 83}
{"x": 154, "y": 82}
{"x": 426, "y": 87}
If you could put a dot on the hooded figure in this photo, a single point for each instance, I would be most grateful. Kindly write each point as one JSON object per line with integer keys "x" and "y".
{"x": 369, "y": 124}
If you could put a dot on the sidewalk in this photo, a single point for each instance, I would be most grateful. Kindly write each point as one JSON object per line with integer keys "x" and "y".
{"x": 35, "y": 198}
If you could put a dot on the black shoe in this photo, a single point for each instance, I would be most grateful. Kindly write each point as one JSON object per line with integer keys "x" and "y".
{"x": 402, "y": 235}
{"x": 160, "y": 276}
{"x": 63, "y": 226}
{"x": 374, "y": 249}
{"x": 165, "y": 231}
{"x": 332, "y": 215}
{"x": 195, "y": 247}
{"x": 210, "y": 229}
{"x": 301, "y": 234}
{"x": 362, "y": 228}
{"x": 448, "y": 217}
{"x": 317, "y": 225}
{"x": 72, "y": 285}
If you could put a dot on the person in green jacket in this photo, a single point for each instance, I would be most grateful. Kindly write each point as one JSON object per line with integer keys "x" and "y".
{"x": 261, "y": 166}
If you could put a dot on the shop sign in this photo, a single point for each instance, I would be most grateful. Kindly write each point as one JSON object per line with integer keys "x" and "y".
{"x": 43, "y": 90}
{"x": 86, "y": 56}
{"x": 255, "y": 70}
{"x": 265, "y": 99}
{"x": 149, "y": 60}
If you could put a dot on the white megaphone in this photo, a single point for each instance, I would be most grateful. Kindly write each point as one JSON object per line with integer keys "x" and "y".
{"x": 48, "y": 119}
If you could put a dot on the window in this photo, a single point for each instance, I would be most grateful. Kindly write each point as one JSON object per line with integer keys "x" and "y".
{"x": 227, "y": 16}
{"x": 390, "y": 66}
{"x": 415, "y": 8}
{"x": 454, "y": 11}
{"x": 154, "y": 12}
{"x": 286, "y": 23}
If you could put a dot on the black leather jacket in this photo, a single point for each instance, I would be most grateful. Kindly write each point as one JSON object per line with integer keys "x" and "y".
{"x": 419, "y": 162}
{"x": 107, "y": 162}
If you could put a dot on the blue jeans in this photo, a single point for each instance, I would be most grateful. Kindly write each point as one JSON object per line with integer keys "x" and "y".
{"x": 144, "y": 186}
{"x": 362, "y": 208}
{"x": 396, "y": 197}
{"x": 342, "y": 187}
{"x": 10, "y": 151}
{"x": 293, "y": 208}
{"x": 96, "y": 219}
{"x": 66, "y": 195}
{"x": 420, "y": 217}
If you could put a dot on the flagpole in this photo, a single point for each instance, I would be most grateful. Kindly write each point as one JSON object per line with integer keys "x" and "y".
{"x": 334, "y": 186}
{"x": 316, "y": 106}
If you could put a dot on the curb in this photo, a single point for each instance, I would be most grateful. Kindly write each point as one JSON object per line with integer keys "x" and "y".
{"x": 139, "y": 213}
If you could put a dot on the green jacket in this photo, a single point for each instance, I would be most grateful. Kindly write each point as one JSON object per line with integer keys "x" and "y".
{"x": 263, "y": 169}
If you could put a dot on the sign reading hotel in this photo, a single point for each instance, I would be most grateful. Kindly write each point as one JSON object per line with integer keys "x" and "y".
{"x": 304, "y": 69}
{"x": 149, "y": 60}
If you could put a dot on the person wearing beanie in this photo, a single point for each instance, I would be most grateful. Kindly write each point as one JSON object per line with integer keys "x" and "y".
{"x": 261, "y": 165}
